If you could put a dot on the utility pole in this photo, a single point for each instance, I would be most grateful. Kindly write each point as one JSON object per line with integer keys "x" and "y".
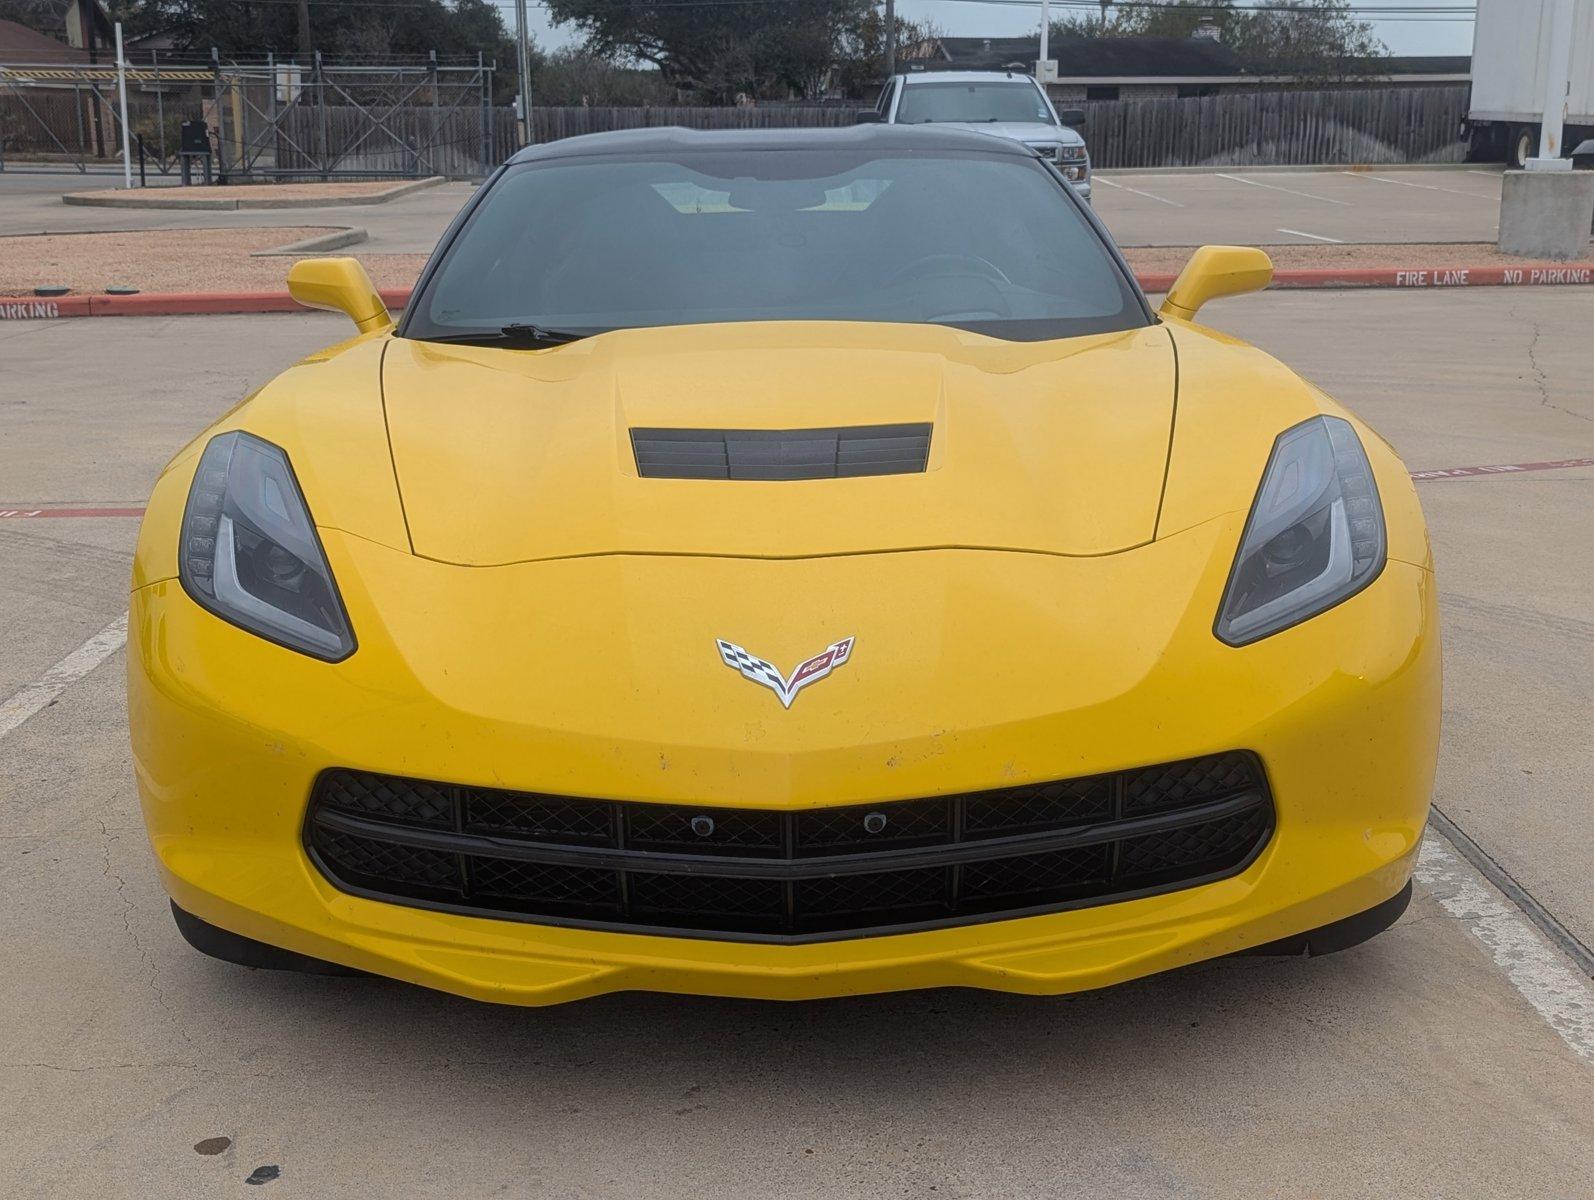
{"x": 1557, "y": 86}
{"x": 1104, "y": 4}
{"x": 306, "y": 46}
{"x": 891, "y": 38}
{"x": 523, "y": 65}
{"x": 1046, "y": 37}
{"x": 121, "y": 92}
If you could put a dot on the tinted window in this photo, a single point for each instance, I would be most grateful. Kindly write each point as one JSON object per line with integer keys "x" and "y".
{"x": 979, "y": 102}
{"x": 991, "y": 243}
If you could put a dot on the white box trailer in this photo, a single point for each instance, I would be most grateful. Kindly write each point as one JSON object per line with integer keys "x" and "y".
{"x": 1510, "y": 46}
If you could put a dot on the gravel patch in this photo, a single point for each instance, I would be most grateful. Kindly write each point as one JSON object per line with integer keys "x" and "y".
{"x": 172, "y": 260}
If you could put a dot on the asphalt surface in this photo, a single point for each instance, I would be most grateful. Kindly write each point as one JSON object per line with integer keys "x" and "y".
{"x": 1419, "y": 1064}
{"x": 1305, "y": 207}
{"x": 1460, "y": 204}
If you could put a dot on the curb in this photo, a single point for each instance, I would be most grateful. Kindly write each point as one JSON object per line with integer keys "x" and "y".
{"x": 205, "y": 204}
{"x": 1409, "y": 277}
{"x": 165, "y": 304}
{"x": 1299, "y": 168}
{"x": 336, "y": 240}
{"x": 176, "y": 304}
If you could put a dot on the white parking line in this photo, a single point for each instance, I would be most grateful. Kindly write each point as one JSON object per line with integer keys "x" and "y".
{"x": 1539, "y": 972}
{"x": 38, "y": 695}
{"x": 1273, "y": 187}
{"x": 1124, "y": 187}
{"x": 1316, "y": 237}
{"x": 1427, "y": 187}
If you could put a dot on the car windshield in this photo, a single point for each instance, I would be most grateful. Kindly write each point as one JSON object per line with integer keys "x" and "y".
{"x": 987, "y": 242}
{"x": 973, "y": 102}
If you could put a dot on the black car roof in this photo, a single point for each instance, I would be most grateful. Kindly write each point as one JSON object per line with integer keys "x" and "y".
{"x": 856, "y": 137}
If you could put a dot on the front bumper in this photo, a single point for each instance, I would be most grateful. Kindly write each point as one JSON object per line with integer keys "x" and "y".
{"x": 972, "y": 669}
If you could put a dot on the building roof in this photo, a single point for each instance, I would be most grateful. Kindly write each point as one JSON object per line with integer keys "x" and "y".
{"x": 1090, "y": 58}
{"x": 19, "y": 44}
{"x": 673, "y": 139}
{"x": 1395, "y": 66}
{"x": 1162, "y": 58}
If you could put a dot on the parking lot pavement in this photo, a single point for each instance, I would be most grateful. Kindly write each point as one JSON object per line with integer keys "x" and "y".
{"x": 1306, "y": 207}
{"x": 1417, "y": 1064}
{"x": 1175, "y": 209}
{"x": 1477, "y": 379}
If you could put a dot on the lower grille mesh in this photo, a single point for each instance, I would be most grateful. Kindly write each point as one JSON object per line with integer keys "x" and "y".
{"x": 783, "y": 876}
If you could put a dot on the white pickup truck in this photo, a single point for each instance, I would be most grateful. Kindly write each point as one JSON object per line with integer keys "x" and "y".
{"x": 1509, "y": 50}
{"x": 1009, "y": 104}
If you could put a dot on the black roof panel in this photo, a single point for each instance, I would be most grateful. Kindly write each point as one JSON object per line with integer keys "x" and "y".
{"x": 857, "y": 137}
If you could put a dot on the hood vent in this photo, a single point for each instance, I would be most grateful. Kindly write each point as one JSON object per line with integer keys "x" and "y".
{"x": 782, "y": 453}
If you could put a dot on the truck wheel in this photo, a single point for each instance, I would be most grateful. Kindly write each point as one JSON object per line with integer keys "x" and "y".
{"x": 1523, "y": 145}
{"x": 1486, "y": 143}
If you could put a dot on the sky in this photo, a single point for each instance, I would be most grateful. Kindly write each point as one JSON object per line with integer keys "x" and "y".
{"x": 1438, "y": 34}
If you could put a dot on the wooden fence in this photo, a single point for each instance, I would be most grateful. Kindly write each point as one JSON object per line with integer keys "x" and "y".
{"x": 1350, "y": 125}
{"x": 353, "y": 141}
{"x": 551, "y": 124}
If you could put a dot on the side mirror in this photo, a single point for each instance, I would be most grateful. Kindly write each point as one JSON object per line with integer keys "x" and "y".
{"x": 1215, "y": 271}
{"x": 339, "y": 285}
{"x": 865, "y": 116}
{"x": 1074, "y": 118}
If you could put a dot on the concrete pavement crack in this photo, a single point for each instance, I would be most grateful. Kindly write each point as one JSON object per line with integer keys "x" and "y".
{"x": 138, "y": 945}
{"x": 1540, "y": 379}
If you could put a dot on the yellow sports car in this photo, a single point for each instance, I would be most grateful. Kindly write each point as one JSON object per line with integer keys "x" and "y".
{"x": 782, "y": 564}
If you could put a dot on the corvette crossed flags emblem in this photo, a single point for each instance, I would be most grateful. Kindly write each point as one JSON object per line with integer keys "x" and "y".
{"x": 804, "y": 673}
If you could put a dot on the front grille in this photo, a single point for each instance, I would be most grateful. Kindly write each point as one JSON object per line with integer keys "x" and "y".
{"x": 760, "y": 874}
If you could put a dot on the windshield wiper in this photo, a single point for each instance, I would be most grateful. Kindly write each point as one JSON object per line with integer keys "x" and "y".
{"x": 518, "y": 331}
{"x": 538, "y": 333}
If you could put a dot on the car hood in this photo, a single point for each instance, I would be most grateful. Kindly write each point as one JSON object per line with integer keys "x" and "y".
{"x": 1023, "y": 131}
{"x": 507, "y": 456}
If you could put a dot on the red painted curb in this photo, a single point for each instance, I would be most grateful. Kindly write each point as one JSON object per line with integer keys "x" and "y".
{"x": 1410, "y": 277}
{"x": 173, "y": 304}
{"x": 23, "y": 514}
{"x": 1561, "y": 464}
{"x": 164, "y": 304}
{"x": 1426, "y": 277}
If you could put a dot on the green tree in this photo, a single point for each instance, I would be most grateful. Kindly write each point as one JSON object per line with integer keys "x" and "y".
{"x": 576, "y": 76}
{"x": 861, "y": 49}
{"x": 373, "y": 28}
{"x": 1313, "y": 39}
{"x": 720, "y": 51}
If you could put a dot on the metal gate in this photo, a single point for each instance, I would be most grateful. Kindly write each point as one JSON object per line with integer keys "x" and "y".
{"x": 326, "y": 121}
{"x": 67, "y": 118}
{"x": 269, "y": 120}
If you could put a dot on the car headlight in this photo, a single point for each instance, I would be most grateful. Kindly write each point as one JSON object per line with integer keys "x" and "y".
{"x": 1315, "y": 536}
{"x": 1071, "y": 153}
{"x": 250, "y": 553}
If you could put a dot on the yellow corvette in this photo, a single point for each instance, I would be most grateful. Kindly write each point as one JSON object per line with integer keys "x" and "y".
{"x": 782, "y": 564}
